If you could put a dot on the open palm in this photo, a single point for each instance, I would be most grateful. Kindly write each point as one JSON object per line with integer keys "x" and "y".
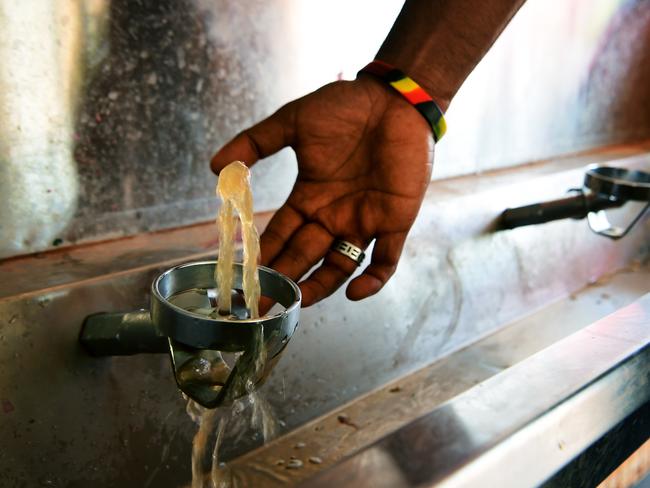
{"x": 364, "y": 162}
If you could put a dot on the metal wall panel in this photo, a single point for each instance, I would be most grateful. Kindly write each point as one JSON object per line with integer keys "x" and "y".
{"x": 111, "y": 109}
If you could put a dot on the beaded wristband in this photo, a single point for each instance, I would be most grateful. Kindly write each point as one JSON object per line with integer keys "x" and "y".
{"x": 413, "y": 93}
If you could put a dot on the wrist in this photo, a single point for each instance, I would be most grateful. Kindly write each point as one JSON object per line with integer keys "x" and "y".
{"x": 412, "y": 92}
{"x": 379, "y": 93}
{"x": 441, "y": 89}
{"x": 439, "y": 43}
{"x": 383, "y": 98}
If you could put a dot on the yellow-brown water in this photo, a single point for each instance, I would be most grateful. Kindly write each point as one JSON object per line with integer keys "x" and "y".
{"x": 233, "y": 188}
{"x": 235, "y": 192}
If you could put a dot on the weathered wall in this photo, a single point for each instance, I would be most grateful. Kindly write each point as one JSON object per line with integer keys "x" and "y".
{"x": 111, "y": 109}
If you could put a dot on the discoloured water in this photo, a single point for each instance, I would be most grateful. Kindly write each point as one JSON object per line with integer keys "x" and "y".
{"x": 234, "y": 190}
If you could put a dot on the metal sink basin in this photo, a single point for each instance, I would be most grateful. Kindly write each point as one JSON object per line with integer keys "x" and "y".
{"x": 465, "y": 307}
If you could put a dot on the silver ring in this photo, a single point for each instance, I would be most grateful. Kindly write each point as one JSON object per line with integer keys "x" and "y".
{"x": 349, "y": 250}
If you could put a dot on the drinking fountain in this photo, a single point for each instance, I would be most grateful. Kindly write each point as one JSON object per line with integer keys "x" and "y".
{"x": 215, "y": 358}
{"x": 604, "y": 187}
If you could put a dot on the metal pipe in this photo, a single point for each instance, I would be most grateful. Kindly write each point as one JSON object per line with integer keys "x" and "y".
{"x": 122, "y": 334}
{"x": 575, "y": 207}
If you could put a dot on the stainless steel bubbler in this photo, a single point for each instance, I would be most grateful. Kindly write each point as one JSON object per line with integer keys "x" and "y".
{"x": 604, "y": 187}
{"x": 196, "y": 341}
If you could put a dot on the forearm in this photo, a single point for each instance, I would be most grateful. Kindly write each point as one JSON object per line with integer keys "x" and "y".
{"x": 439, "y": 42}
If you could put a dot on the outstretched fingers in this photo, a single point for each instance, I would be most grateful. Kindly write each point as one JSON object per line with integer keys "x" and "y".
{"x": 263, "y": 139}
{"x": 385, "y": 256}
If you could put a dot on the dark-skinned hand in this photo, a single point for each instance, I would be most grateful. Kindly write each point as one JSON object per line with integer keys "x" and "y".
{"x": 364, "y": 162}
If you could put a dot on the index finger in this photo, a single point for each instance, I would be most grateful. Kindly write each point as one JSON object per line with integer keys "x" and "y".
{"x": 263, "y": 139}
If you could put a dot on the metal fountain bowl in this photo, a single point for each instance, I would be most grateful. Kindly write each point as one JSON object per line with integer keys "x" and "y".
{"x": 195, "y": 340}
{"x": 223, "y": 334}
{"x": 618, "y": 183}
{"x": 604, "y": 187}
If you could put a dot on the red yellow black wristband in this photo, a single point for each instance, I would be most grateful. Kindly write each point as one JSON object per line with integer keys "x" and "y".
{"x": 413, "y": 93}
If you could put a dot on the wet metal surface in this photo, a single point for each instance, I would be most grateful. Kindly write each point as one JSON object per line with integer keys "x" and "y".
{"x": 533, "y": 418}
{"x": 349, "y": 428}
{"x": 72, "y": 420}
{"x": 103, "y": 422}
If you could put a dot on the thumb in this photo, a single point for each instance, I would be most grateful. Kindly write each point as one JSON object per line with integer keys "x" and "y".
{"x": 263, "y": 139}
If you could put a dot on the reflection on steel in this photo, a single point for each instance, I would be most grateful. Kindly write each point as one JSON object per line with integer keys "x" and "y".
{"x": 604, "y": 187}
{"x": 191, "y": 333}
{"x": 523, "y": 425}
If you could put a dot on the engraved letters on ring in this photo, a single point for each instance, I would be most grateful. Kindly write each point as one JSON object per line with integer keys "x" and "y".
{"x": 349, "y": 250}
